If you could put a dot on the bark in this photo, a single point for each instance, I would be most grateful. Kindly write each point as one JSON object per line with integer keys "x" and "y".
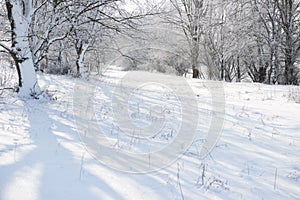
{"x": 81, "y": 49}
{"x": 195, "y": 54}
{"x": 238, "y": 70}
{"x": 222, "y": 69}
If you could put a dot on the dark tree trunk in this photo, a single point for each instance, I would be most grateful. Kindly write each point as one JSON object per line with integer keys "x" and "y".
{"x": 222, "y": 70}
{"x": 195, "y": 73}
{"x": 238, "y": 70}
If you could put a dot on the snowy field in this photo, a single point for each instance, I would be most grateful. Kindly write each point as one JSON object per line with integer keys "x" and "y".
{"x": 43, "y": 153}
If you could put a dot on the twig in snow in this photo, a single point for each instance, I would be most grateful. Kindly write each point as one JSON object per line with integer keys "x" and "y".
{"x": 15, "y": 151}
{"x": 149, "y": 159}
{"x": 202, "y": 176}
{"x": 81, "y": 165}
{"x": 275, "y": 179}
{"x": 178, "y": 180}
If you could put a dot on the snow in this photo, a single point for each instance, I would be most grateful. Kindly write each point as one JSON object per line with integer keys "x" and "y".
{"x": 256, "y": 155}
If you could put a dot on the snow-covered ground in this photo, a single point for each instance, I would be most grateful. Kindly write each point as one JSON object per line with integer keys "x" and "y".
{"x": 42, "y": 156}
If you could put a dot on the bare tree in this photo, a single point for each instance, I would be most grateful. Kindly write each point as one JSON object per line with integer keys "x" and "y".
{"x": 31, "y": 26}
{"x": 289, "y": 21}
{"x": 49, "y": 25}
{"x": 281, "y": 35}
{"x": 190, "y": 19}
{"x": 35, "y": 26}
{"x": 225, "y": 39}
{"x": 97, "y": 20}
{"x": 20, "y": 13}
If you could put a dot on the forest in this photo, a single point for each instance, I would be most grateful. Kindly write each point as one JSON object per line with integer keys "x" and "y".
{"x": 227, "y": 40}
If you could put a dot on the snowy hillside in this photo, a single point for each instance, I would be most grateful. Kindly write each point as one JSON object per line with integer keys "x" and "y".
{"x": 44, "y": 153}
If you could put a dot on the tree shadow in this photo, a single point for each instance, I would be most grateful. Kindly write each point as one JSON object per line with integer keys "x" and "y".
{"x": 58, "y": 166}
{"x": 50, "y": 171}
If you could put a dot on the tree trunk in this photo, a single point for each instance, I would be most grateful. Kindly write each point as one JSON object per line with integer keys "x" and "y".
{"x": 289, "y": 70}
{"x": 194, "y": 58}
{"x": 81, "y": 49}
{"x": 227, "y": 70}
{"x": 271, "y": 67}
{"x": 289, "y": 76}
{"x": 19, "y": 15}
{"x": 222, "y": 70}
{"x": 238, "y": 70}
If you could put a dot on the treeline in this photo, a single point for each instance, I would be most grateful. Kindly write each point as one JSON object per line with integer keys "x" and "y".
{"x": 233, "y": 40}
{"x": 228, "y": 40}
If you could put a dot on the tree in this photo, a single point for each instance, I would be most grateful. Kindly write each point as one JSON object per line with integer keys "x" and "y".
{"x": 36, "y": 25}
{"x": 281, "y": 36}
{"x": 190, "y": 19}
{"x": 19, "y": 13}
{"x": 289, "y": 21}
{"x": 224, "y": 40}
{"x": 32, "y": 27}
{"x": 95, "y": 20}
{"x": 91, "y": 20}
{"x": 267, "y": 34}
{"x": 49, "y": 26}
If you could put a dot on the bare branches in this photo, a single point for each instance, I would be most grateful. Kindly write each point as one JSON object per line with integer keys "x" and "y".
{"x": 5, "y": 47}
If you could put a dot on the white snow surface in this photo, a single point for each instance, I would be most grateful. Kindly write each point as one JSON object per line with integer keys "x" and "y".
{"x": 256, "y": 157}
